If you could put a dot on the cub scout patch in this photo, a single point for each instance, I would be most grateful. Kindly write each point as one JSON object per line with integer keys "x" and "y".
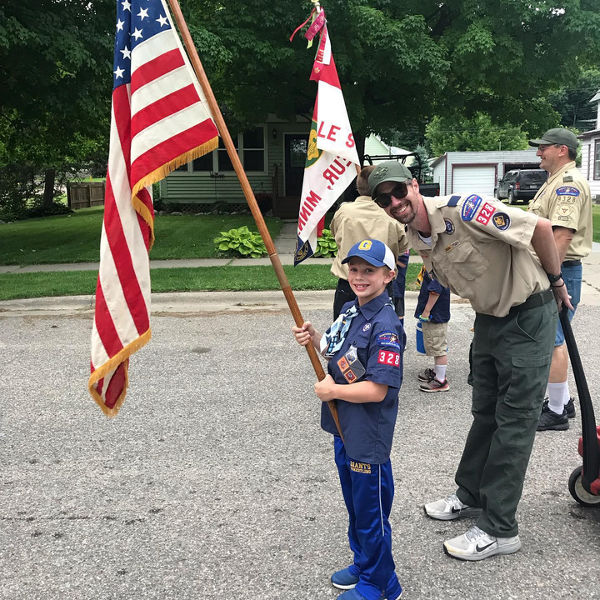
{"x": 485, "y": 214}
{"x": 449, "y": 226}
{"x": 385, "y": 357}
{"x": 470, "y": 207}
{"x": 359, "y": 467}
{"x": 388, "y": 338}
{"x": 567, "y": 190}
{"x": 350, "y": 367}
{"x": 501, "y": 221}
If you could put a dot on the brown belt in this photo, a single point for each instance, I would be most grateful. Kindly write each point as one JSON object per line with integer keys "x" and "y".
{"x": 534, "y": 301}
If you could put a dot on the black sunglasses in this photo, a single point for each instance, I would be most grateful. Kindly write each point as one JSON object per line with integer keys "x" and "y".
{"x": 385, "y": 199}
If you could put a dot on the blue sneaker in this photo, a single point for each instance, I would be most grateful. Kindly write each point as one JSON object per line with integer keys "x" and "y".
{"x": 351, "y": 595}
{"x": 344, "y": 579}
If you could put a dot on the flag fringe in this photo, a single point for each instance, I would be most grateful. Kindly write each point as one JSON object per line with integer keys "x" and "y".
{"x": 173, "y": 164}
{"x": 111, "y": 365}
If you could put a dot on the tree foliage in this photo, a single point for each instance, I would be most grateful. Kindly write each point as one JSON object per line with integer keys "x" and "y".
{"x": 55, "y": 63}
{"x": 446, "y": 134}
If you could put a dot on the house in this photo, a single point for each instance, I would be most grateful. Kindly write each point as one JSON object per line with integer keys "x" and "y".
{"x": 273, "y": 155}
{"x": 479, "y": 172}
{"x": 590, "y": 153}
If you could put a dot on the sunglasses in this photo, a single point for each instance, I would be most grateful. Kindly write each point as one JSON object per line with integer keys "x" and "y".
{"x": 385, "y": 199}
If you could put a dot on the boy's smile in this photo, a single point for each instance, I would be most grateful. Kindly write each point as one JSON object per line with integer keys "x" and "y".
{"x": 367, "y": 281}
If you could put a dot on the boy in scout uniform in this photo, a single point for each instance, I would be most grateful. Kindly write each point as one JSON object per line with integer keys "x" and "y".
{"x": 364, "y": 349}
{"x": 565, "y": 201}
{"x": 481, "y": 250}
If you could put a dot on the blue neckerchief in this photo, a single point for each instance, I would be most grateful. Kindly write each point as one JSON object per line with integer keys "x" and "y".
{"x": 336, "y": 334}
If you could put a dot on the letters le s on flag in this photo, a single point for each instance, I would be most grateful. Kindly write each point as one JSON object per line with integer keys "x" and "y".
{"x": 331, "y": 156}
{"x": 159, "y": 121}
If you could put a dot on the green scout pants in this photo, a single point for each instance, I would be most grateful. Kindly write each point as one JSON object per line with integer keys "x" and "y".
{"x": 511, "y": 361}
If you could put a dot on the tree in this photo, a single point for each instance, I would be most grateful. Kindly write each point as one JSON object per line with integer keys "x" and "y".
{"x": 55, "y": 63}
{"x": 572, "y": 102}
{"x": 446, "y": 134}
{"x": 400, "y": 63}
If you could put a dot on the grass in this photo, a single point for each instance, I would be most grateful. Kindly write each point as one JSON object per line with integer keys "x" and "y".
{"x": 74, "y": 283}
{"x": 76, "y": 238}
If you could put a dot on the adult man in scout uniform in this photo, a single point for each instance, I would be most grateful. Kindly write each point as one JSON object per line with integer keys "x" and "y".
{"x": 565, "y": 201}
{"x": 481, "y": 249}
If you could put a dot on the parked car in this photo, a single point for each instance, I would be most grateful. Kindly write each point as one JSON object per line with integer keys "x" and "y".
{"x": 520, "y": 184}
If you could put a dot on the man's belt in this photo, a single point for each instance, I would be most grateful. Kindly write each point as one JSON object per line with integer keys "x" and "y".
{"x": 571, "y": 263}
{"x": 534, "y": 301}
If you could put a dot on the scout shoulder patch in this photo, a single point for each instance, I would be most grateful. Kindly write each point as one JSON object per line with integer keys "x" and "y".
{"x": 388, "y": 338}
{"x": 567, "y": 190}
{"x": 501, "y": 221}
{"x": 485, "y": 214}
{"x": 470, "y": 207}
{"x": 385, "y": 357}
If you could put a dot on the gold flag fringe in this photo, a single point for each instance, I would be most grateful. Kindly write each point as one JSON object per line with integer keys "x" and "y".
{"x": 112, "y": 364}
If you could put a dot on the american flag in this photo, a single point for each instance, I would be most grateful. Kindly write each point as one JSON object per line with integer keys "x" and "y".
{"x": 159, "y": 122}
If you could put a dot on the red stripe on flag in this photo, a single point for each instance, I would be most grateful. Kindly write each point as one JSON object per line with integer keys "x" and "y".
{"x": 164, "y": 107}
{"x": 122, "y": 110}
{"x": 116, "y": 385}
{"x": 123, "y": 263}
{"x": 171, "y": 148}
{"x": 327, "y": 74}
{"x": 155, "y": 68}
{"x": 105, "y": 326}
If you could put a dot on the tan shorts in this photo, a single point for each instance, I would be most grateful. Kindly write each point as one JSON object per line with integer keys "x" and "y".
{"x": 434, "y": 339}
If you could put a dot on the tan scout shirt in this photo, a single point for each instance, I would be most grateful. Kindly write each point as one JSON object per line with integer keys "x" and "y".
{"x": 566, "y": 202}
{"x": 480, "y": 249}
{"x": 359, "y": 220}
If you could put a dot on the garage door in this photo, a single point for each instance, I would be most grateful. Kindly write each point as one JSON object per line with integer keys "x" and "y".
{"x": 474, "y": 180}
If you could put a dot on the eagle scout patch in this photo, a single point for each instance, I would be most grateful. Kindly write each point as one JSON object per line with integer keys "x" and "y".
{"x": 449, "y": 226}
{"x": 470, "y": 207}
{"x": 567, "y": 190}
{"x": 501, "y": 221}
{"x": 388, "y": 338}
{"x": 385, "y": 357}
{"x": 350, "y": 367}
{"x": 359, "y": 467}
{"x": 485, "y": 214}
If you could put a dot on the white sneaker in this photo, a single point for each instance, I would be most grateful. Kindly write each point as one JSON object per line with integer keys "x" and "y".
{"x": 449, "y": 508}
{"x": 477, "y": 545}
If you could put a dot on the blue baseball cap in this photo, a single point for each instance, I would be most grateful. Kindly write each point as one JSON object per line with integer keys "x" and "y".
{"x": 376, "y": 253}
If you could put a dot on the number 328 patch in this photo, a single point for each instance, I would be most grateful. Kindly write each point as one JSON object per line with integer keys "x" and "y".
{"x": 386, "y": 357}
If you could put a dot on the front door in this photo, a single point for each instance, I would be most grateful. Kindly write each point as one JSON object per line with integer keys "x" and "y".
{"x": 295, "y": 158}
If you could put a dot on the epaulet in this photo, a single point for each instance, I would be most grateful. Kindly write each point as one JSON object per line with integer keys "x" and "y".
{"x": 453, "y": 201}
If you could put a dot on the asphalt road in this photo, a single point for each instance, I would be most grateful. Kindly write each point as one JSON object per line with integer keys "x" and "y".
{"x": 215, "y": 481}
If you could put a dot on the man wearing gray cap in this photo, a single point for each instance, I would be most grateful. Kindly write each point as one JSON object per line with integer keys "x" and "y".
{"x": 481, "y": 250}
{"x": 565, "y": 201}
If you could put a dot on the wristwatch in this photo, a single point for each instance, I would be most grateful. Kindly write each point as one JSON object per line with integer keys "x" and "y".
{"x": 554, "y": 278}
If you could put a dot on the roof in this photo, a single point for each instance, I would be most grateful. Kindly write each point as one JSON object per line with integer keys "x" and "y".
{"x": 596, "y": 98}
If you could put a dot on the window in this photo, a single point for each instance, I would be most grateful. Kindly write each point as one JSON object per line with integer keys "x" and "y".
{"x": 597, "y": 159}
{"x": 251, "y": 150}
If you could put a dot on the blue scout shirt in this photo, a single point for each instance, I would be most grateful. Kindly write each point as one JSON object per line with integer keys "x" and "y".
{"x": 372, "y": 351}
{"x": 440, "y": 313}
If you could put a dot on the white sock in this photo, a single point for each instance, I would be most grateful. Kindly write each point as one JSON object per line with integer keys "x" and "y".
{"x": 558, "y": 396}
{"x": 440, "y": 372}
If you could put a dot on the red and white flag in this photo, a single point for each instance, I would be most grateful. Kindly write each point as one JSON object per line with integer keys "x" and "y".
{"x": 159, "y": 121}
{"x": 331, "y": 158}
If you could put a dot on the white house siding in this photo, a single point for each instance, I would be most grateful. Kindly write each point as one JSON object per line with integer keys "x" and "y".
{"x": 481, "y": 169}
{"x": 589, "y": 141}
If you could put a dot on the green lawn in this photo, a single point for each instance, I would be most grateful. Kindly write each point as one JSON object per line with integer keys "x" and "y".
{"x": 74, "y": 283}
{"x": 76, "y": 238}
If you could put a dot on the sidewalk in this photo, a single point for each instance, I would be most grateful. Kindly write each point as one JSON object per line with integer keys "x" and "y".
{"x": 285, "y": 245}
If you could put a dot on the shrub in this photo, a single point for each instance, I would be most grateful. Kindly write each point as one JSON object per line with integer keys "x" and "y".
{"x": 240, "y": 242}
{"x": 326, "y": 246}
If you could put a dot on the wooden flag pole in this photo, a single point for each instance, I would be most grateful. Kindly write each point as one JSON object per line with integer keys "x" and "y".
{"x": 248, "y": 193}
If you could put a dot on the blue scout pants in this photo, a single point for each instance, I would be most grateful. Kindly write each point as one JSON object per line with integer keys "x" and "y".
{"x": 368, "y": 492}
{"x": 510, "y": 363}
